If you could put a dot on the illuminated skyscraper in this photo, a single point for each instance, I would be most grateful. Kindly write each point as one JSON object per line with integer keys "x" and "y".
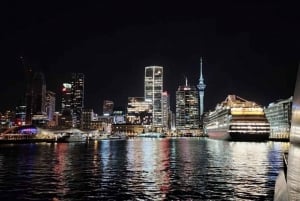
{"x": 77, "y": 82}
{"x": 187, "y": 107}
{"x": 66, "y": 98}
{"x": 66, "y": 102}
{"x": 108, "y": 107}
{"x": 201, "y": 86}
{"x": 153, "y": 91}
{"x": 165, "y": 109}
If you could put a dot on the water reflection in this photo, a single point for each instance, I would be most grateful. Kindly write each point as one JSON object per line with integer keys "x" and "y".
{"x": 141, "y": 169}
{"x": 59, "y": 168}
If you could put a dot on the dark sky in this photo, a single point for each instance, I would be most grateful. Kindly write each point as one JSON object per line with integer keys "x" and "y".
{"x": 250, "y": 49}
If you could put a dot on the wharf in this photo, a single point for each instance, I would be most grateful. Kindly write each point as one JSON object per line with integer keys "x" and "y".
{"x": 22, "y": 141}
{"x": 13, "y": 138}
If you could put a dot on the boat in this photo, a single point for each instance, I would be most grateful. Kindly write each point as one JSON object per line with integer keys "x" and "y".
{"x": 152, "y": 135}
{"x": 237, "y": 119}
{"x": 288, "y": 179}
{"x": 116, "y": 137}
{"x": 20, "y": 134}
{"x": 71, "y": 135}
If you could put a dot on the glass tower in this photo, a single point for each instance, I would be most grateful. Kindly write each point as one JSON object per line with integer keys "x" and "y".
{"x": 153, "y": 91}
{"x": 187, "y": 107}
{"x": 77, "y": 97}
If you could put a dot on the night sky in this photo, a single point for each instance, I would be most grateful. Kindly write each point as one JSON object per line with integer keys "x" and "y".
{"x": 251, "y": 49}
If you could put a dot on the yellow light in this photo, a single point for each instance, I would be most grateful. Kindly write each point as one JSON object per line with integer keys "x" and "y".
{"x": 247, "y": 111}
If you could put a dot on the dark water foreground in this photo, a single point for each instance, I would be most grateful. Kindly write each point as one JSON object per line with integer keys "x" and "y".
{"x": 141, "y": 169}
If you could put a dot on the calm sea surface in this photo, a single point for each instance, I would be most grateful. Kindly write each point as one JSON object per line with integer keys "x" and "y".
{"x": 141, "y": 169}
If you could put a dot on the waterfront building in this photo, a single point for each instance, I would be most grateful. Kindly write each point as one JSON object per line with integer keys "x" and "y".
{"x": 50, "y": 104}
{"x": 7, "y": 119}
{"x": 66, "y": 102}
{"x": 119, "y": 116}
{"x": 108, "y": 107}
{"x": 35, "y": 96}
{"x": 130, "y": 130}
{"x": 56, "y": 122}
{"x": 86, "y": 118}
{"x": 172, "y": 121}
{"x": 28, "y": 91}
{"x": 77, "y": 82}
{"x": 187, "y": 109}
{"x": 39, "y": 94}
{"x": 165, "y": 110}
{"x": 201, "y": 86}
{"x": 20, "y": 119}
{"x": 279, "y": 115}
{"x": 153, "y": 89}
{"x": 139, "y": 111}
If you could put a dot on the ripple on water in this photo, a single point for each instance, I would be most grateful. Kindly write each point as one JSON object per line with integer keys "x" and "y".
{"x": 137, "y": 169}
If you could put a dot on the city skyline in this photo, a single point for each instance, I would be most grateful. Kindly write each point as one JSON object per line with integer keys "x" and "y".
{"x": 251, "y": 50}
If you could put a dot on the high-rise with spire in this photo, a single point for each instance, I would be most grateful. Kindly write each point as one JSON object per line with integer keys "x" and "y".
{"x": 201, "y": 86}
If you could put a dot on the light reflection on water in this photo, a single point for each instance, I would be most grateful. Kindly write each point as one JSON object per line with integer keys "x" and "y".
{"x": 141, "y": 169}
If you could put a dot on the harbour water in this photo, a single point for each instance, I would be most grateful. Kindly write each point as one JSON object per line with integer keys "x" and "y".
{"x": 141, "y": 169}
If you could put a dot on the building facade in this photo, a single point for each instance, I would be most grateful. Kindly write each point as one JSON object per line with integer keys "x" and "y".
{"x": 50, "y": 104}
{"x": 108, "y": 107}
{"x": 187, "y": 108}
{"x": 66, "y": 103}
{"x": 279, "y": 115}
{"x": 35, "y": 96}
{"x": 139, "y": 111}
{"x": 77, "y": 82}
{"x": 153, "y": 89}
{"x": 87, "y": 118}
{"x": 166, "y": 110}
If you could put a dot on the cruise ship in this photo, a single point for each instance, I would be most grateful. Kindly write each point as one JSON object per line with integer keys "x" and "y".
{"x": 237, "y": 119}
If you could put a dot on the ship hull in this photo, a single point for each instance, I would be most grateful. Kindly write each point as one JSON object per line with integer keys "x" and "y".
{"x": 218, "y": 135}
{"x": 224, "y": 135}
{"x": 72, "y": 138}
{"x": 249, "y": 137}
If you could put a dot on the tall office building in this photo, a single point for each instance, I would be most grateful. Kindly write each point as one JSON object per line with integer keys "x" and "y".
{"x": 35, "y": 96}
{"x": 66, "y": 102}
{"x": 77, "y": 82}
{"x": 50, "y": 104}
{"x": 201, "y": 86}
{"x": 108, "y": 107}
{"x": 165, "y": 109}
{"x": 66, "y": 98}
{"x": 28, "y": 72}
{"x": 153, "y": 89}
{"x": 187, "y": 107}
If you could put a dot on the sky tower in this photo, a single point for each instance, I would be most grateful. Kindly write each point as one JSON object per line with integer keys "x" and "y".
{"x": 201, "y": 86}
